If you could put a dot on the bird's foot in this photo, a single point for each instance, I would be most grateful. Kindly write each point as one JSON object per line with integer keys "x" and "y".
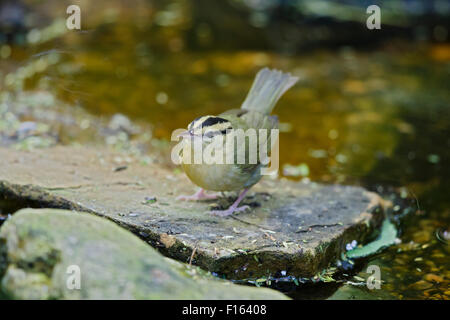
{"x": 199, "y": 195}
{"x": 229, "y": 211}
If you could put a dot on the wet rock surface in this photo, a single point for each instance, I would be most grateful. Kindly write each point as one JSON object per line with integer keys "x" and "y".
{"x": 60, "y": 254}
{"x": 293, "y": 228}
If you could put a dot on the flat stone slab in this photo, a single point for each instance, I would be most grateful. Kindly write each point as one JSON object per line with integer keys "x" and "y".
{"x": 293, "y": 228}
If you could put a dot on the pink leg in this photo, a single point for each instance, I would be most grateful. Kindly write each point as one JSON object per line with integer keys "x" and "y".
{"x": 233, "y": 208}
{"x": 199, "y": 195}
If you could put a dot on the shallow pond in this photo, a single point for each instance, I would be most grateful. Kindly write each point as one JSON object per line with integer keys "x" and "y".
{"x": 377, "y": 118}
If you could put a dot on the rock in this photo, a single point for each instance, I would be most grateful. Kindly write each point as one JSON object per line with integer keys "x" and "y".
{"x": 422, "y": 236}
{"x": 42, "y": 250}
{"x": 120, "y": 122}
{"x": 298, "y": 228}
{"x": 350, "y": 292}
{"x": 420, "y": 285}
{"x": 430, "y": 277}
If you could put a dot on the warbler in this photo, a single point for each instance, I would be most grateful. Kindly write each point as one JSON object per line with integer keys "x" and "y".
{"x": 216, "y": 132}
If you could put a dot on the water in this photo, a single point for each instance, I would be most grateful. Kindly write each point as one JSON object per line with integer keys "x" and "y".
{"x": 377, "y": 118}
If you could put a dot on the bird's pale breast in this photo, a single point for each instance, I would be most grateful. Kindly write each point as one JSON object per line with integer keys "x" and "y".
{"x": 216, "y": 177}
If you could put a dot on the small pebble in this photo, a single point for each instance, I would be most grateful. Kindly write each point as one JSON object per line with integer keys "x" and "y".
{"x": 420, "y": 285}
{"x": 149, "y": 200}
{"x": 430, "y": 277}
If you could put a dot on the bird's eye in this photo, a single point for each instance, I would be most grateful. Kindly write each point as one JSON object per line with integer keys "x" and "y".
{"x": 191, "y": 132}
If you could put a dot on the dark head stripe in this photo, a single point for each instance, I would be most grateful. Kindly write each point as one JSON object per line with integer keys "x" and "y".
{"x": 211, "y": 134}
{"x": 213, "y": 120}
{"x": 193, "y": 122}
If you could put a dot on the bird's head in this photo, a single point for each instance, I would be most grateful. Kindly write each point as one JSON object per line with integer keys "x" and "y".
{"x": 207, "y": 127}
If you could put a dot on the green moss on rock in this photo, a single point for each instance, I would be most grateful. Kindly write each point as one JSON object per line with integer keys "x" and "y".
{"x": 40, "y": 245}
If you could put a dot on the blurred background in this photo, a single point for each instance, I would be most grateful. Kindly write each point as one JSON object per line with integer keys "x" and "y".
{"x": 371, "y": 107}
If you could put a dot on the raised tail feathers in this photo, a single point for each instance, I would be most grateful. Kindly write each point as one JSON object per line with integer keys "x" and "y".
{"x": 267, "y": 89}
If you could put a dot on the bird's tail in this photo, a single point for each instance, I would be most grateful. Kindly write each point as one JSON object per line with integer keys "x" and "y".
{"x": 267, "y": 89}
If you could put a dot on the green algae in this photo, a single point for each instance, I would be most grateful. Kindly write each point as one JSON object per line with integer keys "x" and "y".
{"x": 386, "y": 239}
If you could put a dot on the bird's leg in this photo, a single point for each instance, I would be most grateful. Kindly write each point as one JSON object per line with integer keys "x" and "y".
{"x": 233, "y": 208}
{"x": 199, "y": 195}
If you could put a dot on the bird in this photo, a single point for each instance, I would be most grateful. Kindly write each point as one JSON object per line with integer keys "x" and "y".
{"x": 267, "y": 88}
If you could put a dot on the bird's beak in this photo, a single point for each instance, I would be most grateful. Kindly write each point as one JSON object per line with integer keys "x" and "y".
{"x": 184, "y": 134}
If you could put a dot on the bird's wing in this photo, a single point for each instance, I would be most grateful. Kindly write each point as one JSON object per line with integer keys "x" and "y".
{"x": 259, "y": 120}
{"x": 251, "y": 120}
{"x": 234, "y": 112}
